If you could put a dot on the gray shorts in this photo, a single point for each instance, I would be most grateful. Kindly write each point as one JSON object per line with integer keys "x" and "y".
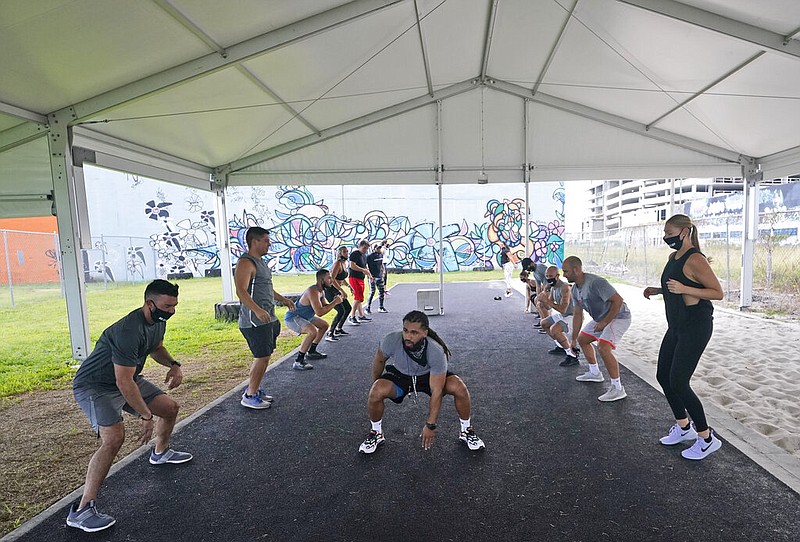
{"x": 297, "y": 324}
{"x": 557, "y": 319}
{"x": 104, "y": 408}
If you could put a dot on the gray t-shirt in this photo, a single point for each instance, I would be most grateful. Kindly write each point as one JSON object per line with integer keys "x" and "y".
{"x": 539, "y": 273}
{"x": 260, "y": 289}
{"x": 558, "y": 294}
{"x": 593, "y": 296}
{"x": 392, "y": 347}
{"x": 126, "y": 342}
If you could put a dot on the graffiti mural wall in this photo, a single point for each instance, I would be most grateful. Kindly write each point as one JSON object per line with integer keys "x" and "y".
{"x": 143, "y": 228}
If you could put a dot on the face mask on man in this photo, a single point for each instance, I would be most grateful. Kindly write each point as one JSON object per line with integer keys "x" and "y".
{"x": 552, "y": 281}
{"x": 157, "y": 315}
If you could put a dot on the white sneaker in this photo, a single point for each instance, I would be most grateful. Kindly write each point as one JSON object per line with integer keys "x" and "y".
{"x": 702, "y": 449}
{"x": 613, "y": 394}
{"x": 371, "y": 443}
{"x": 589, "y": 377}
{"x": 677, "y": 435}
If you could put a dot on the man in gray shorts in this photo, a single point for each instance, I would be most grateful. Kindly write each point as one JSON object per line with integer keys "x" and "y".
{"x": 610, "y": 320}
{"x": 257, "y": 320}
{"x": 109, "y": 381}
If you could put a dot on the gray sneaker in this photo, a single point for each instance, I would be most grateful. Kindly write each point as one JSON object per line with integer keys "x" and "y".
{"x": 613, "y": 394}
{"x": 301, "y": 366}
{"x": 589, "y": 377}
{"x": 88, "y": 518}
{"x": 170, "y": 456}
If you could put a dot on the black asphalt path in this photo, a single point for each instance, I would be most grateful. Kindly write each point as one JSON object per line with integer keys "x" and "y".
{"x": 558, "y": 464}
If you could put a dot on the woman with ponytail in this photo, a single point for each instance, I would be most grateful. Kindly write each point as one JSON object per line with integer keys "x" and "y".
{"x": 688, "y": 285}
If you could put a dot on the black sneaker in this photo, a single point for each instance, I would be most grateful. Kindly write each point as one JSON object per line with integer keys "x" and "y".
{"x": 342, "y": 332}
{"x": 537, "y": 325}
{"x": 368, "y": 310}
{"x": 316, "y": 355}
{"x": 569, "y": 361}
{"x": 383, "y": 310}
{"x": 557, "y": 351}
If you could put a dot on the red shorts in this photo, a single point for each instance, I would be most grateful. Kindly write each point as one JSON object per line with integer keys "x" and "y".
{"x": 358, "y": 288}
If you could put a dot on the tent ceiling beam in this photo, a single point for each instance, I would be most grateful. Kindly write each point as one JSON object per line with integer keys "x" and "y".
{"x": 247, "y": 72}
{"x": 424, "y": 50}
{"x": 22, "y": 114}
{"x": 487, "y": 43}
{"x": 21, "y": 134}
{"x": 708, "y": 87}
{"x": 192, "y": 26}
{"x": 618, "y": 122}
{"x": 770, "y": 41}
{"x": 554, "y": 49}
{"x": 212, "y": 63}
{"x": 349, "y": 126}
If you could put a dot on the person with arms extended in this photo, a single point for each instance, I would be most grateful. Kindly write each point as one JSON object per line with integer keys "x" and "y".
{"x": 610, "y": 320}
{"x": 418, "y": 364}
{"x": 257, "y": 320}
{"x": 557, "y": 300}
{"x": 305, "y": 319}
{"x": 338, "y": 284}
{"x": 688, "y": 285}
{"x": 109, "y": 381}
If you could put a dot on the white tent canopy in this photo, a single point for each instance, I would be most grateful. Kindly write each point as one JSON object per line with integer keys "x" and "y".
{"x": 211, "y": 94}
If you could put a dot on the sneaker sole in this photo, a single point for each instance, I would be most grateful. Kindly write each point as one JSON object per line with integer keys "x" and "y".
{"x": 170, "y": 462}
{"x": 579, "y": 379}
{"x": 708, "y": 453}
{"x": 257, "y": 407}
{"x": 618, "y": 398}
{"x": 677, "y": 442}
{"x": 89, "y": 529}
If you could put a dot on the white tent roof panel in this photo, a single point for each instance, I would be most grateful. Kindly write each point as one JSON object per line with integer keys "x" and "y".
{"x": 779, "y": 16}
{"x": 453, "y": 34}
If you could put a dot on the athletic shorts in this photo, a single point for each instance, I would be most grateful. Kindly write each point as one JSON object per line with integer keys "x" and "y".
{"x": 358, "y": 288}
{"x": 611, "y": 334}
{"x": 404, "y": 384}
{"x": 104, "y": 408}
{"x": 262, "y": 339}
{"x": 556, "y": 318}
{"x": 297, "y": 323}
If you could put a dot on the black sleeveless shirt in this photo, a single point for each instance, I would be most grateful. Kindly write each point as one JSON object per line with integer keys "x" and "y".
{"x": 677, "y": 311}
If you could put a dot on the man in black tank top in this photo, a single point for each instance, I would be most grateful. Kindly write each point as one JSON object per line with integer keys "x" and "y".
{"x": 688, "y": 285}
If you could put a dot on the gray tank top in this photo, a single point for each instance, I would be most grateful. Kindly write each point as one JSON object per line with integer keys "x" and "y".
{"x": 260, "y": 289}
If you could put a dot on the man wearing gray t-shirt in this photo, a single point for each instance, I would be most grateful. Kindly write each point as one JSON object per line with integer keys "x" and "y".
{"x": 610, "y": 320}
{"x": 418, "y": 364}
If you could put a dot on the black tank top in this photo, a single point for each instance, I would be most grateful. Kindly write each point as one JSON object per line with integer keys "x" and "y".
{"x": 342, "y": 275}
{"x": 677, "y": 311}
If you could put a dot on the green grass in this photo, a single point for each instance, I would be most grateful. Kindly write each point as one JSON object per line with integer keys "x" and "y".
{"x": 35, "y": 351}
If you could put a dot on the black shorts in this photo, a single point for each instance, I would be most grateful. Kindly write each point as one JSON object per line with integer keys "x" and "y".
{"x": 262, "y": 339}
{"x": 404, "y": 384}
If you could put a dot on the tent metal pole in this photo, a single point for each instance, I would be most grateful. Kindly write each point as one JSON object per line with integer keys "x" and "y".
{"x": 751, "y": 176}
{"x": 526, "y": 175}
{"x": 439, "y": 171}
{"x": 60, "y": 146}
{"x": 223, "y": 237}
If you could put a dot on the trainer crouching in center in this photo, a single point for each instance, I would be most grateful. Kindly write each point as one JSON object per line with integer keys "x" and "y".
{"x": 418, "y": 364}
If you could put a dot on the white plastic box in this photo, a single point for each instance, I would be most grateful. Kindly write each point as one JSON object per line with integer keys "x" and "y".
{"x": 428, "y": 301}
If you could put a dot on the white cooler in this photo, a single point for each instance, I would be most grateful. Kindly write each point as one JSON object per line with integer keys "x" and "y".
{"x": 428, "y": 301}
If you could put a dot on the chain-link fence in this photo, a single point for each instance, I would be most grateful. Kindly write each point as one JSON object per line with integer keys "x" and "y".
{"x": 638, "y": 254}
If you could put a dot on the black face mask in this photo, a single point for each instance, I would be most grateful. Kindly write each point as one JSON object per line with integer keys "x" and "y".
{"x": 552, "y": 282}
{"x": 157, "y": 315}
{"x": 674, "y": 243}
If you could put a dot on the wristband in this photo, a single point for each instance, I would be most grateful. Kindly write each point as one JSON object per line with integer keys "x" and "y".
{"x": 431, "y": 426}
{"x": 175, "y": 362}
{"x": 147, "y": 419}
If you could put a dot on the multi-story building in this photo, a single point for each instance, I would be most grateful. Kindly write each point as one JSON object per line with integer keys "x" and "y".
{"x": 623, "y": 203}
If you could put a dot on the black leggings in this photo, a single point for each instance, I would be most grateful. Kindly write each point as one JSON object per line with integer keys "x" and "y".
{"x": 677, "y": 359}
{"x": 376, "y": 284}
{"x": 342, "y": 309}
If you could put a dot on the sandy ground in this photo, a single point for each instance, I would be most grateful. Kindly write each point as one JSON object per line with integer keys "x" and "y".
{"x": 750, "y": 369}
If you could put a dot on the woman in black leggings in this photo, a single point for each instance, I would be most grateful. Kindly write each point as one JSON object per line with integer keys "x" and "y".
{"x": 339, "y": 276}
{"x": 688, "y": 285}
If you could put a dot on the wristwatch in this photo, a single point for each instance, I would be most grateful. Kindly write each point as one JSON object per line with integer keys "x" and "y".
{"x": 175, "y": 362}
{"x": 431, "y": 426}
